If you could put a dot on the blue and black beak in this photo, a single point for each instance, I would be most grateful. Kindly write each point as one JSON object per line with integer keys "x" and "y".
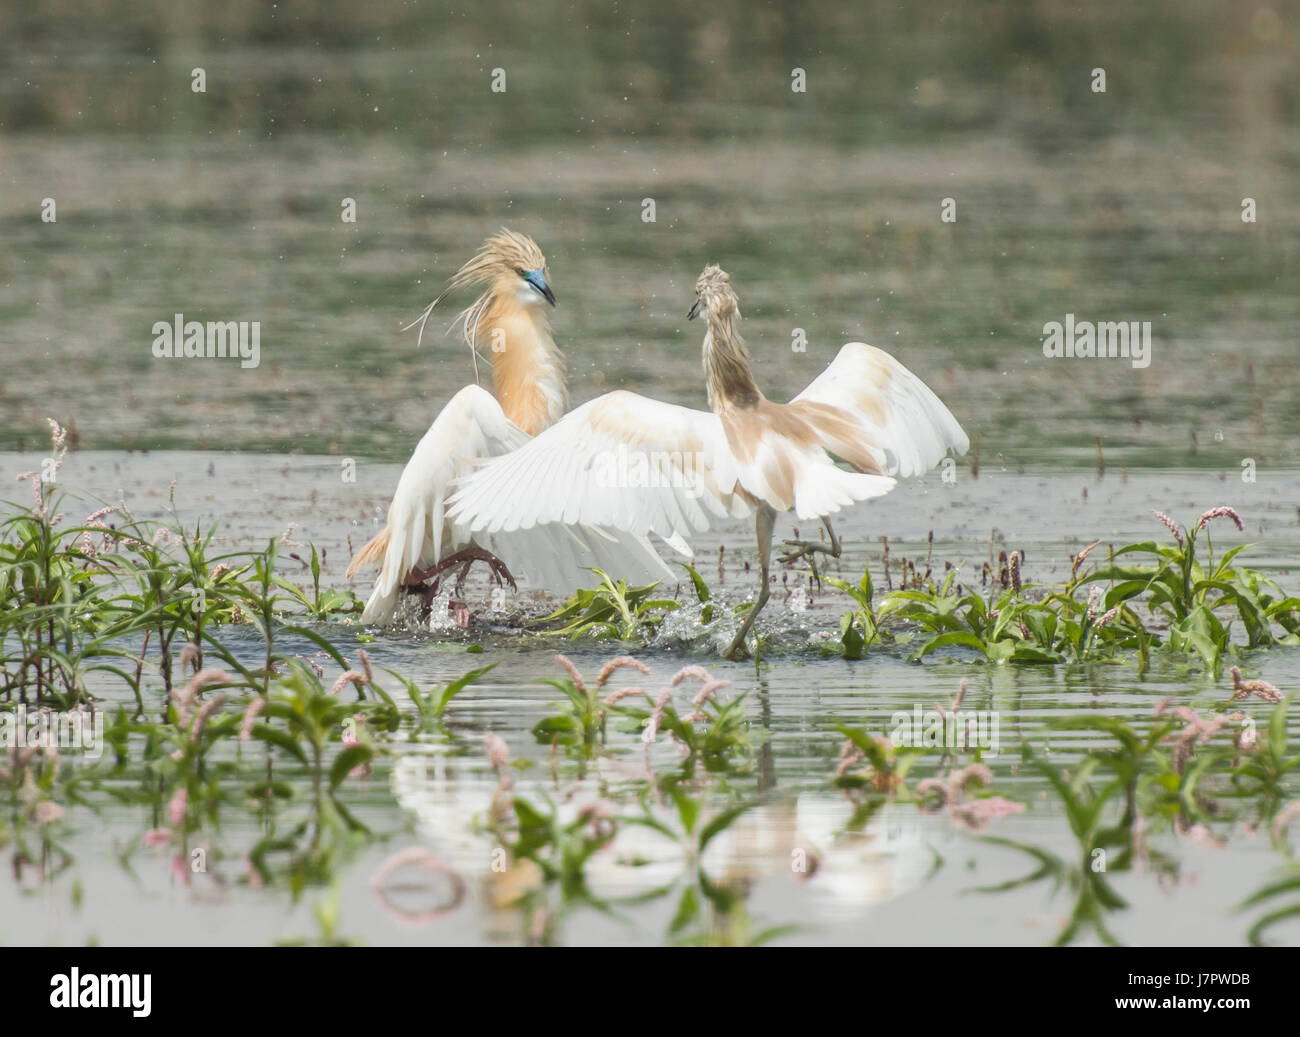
{"x": 694, "y": 311}
{"x": 537, "y": 279}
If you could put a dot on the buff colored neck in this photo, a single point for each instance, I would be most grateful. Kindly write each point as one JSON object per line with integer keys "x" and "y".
{"x": 527, "y": 369}
{"x": 726, "y": 361}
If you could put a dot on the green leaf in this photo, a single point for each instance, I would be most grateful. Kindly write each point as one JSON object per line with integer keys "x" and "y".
{"x": 275, "y": 736}
{"x": 702, "y": 592}
{"x": 718, "y": 824}
{"x": 320, "y": 642}
{"x": 688, "y": 909}
{"x": 346, "y": 761}
{"x": 953, "y": 637}
{"x": 457, "y": 686}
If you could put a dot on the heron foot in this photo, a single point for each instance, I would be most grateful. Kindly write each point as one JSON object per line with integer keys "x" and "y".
{"x": 806, "y": 549}
{"x": 465, "y": 558}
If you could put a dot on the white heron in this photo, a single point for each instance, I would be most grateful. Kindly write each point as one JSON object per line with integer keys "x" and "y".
{"x": 745, "y": 454}
{"x": 420, "y": 542}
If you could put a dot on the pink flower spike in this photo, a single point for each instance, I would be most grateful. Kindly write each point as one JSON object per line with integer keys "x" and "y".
{"x": 365, "y": 665}
{"x": 979, "y": 812}
{"x": 157, "y": 837}
{"x": 190, "y": 657}
{"x": 1244, "y": 689}
{"x": 572, "y": 671}
{"x": 961, "y": 694}
{"x": 708, "y": 691}
{"x": 186, "y": 696}
{"x": 698, "y": 672}
{"x": 975, "y": 771}
{"x": 610, "y": 667}
{"x": 1170, "y": 525}
{"x": 250, "y": 717}
{"x": 177, "y": 807}
{"x": 651, "y": 731}
{"x": 498, "y": 753}
{"x": 353, "y": 676}
{"x": 200, "y": 721}
{"x": 1215, "y": 513}
{"x": 622, "y": 693}
{"x": 849, "y": 755}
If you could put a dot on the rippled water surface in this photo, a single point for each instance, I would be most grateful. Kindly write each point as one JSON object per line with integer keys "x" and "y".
{"x": 900, "y": 879}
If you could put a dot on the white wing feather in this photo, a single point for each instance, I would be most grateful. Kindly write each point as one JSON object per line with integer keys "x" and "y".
{"x": 627, "y": 462}
{"x": 470, "y": 429}
{"x": 902, "y": 417}
{"x": 622, "y": 461}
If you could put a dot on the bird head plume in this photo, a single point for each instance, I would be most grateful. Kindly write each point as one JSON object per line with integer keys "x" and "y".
{"x": 726, "y": 359}
{"x": 512, "y": 267}
{"x": 714, "y": 295}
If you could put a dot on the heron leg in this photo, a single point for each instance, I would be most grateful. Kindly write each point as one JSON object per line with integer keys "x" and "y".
{"x": 465, "y": 558}
{"x": 763, "y": 526}
{"x": 808, "y": 548}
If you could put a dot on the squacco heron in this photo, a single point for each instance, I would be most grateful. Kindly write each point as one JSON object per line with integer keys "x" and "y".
{"x": 746, "y": 454}
{"x": 420, "y": 542}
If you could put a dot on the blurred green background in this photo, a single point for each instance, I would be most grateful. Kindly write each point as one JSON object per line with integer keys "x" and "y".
{"x": 824, "y": 205}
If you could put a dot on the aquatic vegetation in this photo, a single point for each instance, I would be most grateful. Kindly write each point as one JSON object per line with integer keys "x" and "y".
{"x": 69, "y": 610}
{"x": 542, "y": 849}
{"x": 1261, "y": 766}
{"x": 710, "y": 731}
{"x": 208, "y": 670}
{"x": 1180, "y": 778}
{"x": 610, "y": 610}
{"x": 322, "y": 604}
{"x": 860, "y": 627}
{"x": 580, "y": 723}
{"x": 560, "y": 849}
{"x": 708, "y": 912}
{"x": 713, "y": 732}
{"x": 432, "y": 705}
{"x": 1086, "y": 809}
{"x": 950, "y": 794}
{"x": 1288, "y": 884}
{"x": 886, "y": 765}
{"x": 1016, "y": 622}
{"x": 1186, "y": 592}
{"x": 702, "y": 593}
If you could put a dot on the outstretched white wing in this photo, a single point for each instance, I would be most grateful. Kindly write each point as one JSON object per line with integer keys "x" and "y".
{"x": 902, "y": 417}
{"x": 621, "y": 462}
{"x": 470, "y": 429}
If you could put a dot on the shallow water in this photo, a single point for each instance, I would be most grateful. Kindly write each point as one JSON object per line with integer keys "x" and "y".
{"x": 902, "y": 879}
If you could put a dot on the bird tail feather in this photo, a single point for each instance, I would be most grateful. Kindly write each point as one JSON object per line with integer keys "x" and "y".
{"x": 372, "y": 554}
